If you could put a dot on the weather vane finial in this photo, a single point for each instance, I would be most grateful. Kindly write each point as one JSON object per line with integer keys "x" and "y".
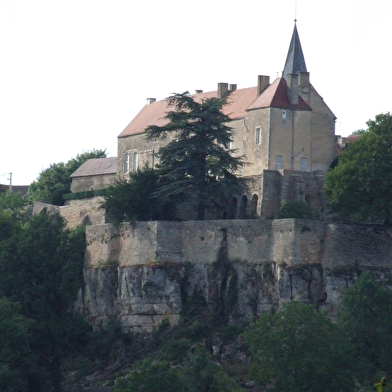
{"x": 295, "y": 12}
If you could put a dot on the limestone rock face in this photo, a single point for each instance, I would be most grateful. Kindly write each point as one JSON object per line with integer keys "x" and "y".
{"x": 141, "y": 295}
{"x": 236, "y": 269}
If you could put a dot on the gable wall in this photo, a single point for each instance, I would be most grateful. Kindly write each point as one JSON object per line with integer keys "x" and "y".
{"x": 256, "y": 154}
{"x": 322, "y": 133}
{"x": 88, "y": 183}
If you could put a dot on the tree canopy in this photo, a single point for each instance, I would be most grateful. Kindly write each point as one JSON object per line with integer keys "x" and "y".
{"x": 366, "y": 319}
{"x": 55, "y": 180}
{"x": 299, "y": 349}
{"x": 359, "y": 187}
{"x": 197, "y": 164}
{"x": 40, "y": 273}
{"x": 133, "y": 199}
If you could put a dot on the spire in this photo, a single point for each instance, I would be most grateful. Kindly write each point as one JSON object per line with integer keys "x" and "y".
{"x": 295, "y": 61}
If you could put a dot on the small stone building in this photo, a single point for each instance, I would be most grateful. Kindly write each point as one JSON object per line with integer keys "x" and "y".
{"x": 94, "y": 174}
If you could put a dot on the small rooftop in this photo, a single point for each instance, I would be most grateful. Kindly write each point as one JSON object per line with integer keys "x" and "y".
{"x": 96, "y": 167}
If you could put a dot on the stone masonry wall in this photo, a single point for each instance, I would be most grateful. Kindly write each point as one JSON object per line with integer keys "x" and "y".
{"x": 144, "y": 271}
{"x": 83, "y": 212}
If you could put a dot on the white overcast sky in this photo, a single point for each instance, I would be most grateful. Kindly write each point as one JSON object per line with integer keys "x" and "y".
{"x": 73, "y": 73}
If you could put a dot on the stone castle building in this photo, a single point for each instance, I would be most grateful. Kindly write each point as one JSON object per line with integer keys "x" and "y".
{"x": 283, "y": 129}
{"x": 144, "y": 271}
{"x": 280, "y": 125}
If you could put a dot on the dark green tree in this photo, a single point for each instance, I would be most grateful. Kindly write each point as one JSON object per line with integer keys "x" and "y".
{"x": 152, "y": 377}
{"x": 197, "y": 164}
{"x": 41, "y": 269}
{"x": 366, "y": 319}
{"x": 299, "y": 209}
{"x": 133, "y": 199}
{"x": 17, "y": 358}
{"x": 56, "y": 179}
{"x": 359, "y": 187}
{"x": 300, "y": 349}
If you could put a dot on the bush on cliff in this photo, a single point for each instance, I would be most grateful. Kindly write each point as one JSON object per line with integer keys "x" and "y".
{"x": 134, "y": 199}
{"x": 298, "y": 209}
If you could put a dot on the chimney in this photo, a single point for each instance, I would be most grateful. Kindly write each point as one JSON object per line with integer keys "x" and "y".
{"x": 198, "y": 91}
{"x": 303, "y": 81}
{"x": 223, "y": 89}
{"x": 150, "y": 100}
{"x": 262, "y": 83}
{"x": 293, "y": 88}
{"x": 232, "y": 87}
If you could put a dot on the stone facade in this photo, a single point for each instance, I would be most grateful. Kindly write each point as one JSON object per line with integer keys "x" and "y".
{"x": 283, "y": 125}
{"x": 89, "y": 183}
{"x": 284, "y": 130}
{"x": 145, "y": 271}
{"x": 94, "y": 174}
{"x": 83, "y": 212}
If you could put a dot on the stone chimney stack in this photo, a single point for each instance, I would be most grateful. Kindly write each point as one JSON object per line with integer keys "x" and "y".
{"x": 262, "y": 83}
{"x": 304, "y": 84}
{"x": 223, "y": 89}
{"x": 150, "y": 100}
{"x": 232, "y": 87}
{"x": 293, "y": 88}
{"x": 198, "y": 91}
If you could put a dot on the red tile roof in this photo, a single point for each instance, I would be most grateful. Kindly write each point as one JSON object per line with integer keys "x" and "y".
{"x": 239, "y": 101}
{"x": 275, "y": 96}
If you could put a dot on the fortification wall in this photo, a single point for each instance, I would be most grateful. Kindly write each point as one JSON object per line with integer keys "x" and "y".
{"x": 286, "y": 185}
{"x": 83, "y": 212}
{"x": 144, "y": 271}
{"x": 284, "y": 241}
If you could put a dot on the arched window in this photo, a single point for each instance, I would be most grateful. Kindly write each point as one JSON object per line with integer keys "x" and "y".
{"x": 233, "y": 208}
{"x": 278, "y": 162}
{"x": 135, "y": 161}
{"x": 253, "y": 205}
{"x": 304, "y": 164}
{"x": 243, "y": 206}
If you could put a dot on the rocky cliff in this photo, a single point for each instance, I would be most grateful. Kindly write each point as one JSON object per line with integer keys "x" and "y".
{"x": 145, "y": 271}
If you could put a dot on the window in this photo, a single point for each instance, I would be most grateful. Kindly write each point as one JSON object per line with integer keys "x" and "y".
{"x": 278, "y": 162}
{"x": 126, "y": 163}
{"x": 258, "y": 135}
{"x": 243, "y": 207}
{"x": 253, "y": 205}
{"x": 135, "y": 161}
{"x": 233, "y": 208}
{"x": 284, "y": 114}
{"x": 304, "y": 164}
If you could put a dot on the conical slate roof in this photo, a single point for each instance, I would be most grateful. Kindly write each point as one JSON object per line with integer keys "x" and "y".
{"x": 295, "y": 61}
